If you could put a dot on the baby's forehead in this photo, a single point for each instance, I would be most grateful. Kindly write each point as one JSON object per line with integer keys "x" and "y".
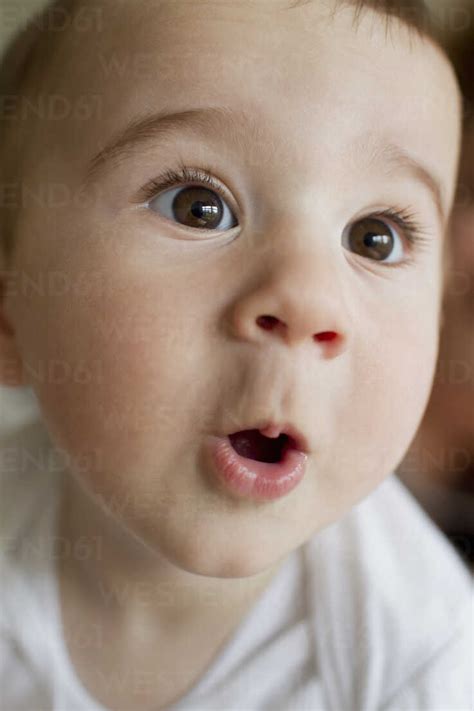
{"x": 305, "y": 78}
{"x": 269, "y": 39}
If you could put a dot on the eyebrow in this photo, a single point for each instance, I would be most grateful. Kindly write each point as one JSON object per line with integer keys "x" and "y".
{"x": 396, "y": 158}
{"x": 234, "y": 123}
{"x": 164, "y": 125}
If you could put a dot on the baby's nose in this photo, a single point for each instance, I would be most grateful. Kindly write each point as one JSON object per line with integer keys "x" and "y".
{"x": 297, "y": 303}
{"x": 336, "y": 340}
{"x": 269, "y": 323}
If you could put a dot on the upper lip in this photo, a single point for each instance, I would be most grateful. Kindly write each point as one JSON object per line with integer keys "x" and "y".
{"x": 300, "y": 440}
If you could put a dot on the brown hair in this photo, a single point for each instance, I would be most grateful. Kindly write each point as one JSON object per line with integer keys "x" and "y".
{"x": 462, "y": 55}
{"x": 413, "y": 13}
{"x": 24, "y": 68}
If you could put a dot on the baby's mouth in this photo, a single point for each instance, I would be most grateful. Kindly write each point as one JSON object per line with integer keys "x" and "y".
{"x": 253, "y": 445}
{"x": 263, "y": 463}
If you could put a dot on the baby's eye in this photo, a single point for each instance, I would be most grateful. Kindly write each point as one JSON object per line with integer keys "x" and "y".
{"x": 195, "y": 206}
{"x": 374, "y": 239}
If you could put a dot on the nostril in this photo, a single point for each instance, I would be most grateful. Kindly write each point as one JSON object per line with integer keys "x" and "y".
{"x": 326, "y": 336}
{"x": 267, "y": 322}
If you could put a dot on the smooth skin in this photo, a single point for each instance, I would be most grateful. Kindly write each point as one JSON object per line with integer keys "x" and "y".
{"x": 165, "y": 318}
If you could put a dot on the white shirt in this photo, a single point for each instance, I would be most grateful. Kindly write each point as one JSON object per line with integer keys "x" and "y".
{"x": 374, "y": 613}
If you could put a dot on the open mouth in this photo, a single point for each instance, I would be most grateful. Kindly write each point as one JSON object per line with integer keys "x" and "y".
{"x": 259, "y": 466}
{"x": 253, "y": 445}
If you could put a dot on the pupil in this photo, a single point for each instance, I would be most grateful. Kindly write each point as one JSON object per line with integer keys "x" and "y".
{"x": 198, "y": 207}
{"x": 372, "y": 239}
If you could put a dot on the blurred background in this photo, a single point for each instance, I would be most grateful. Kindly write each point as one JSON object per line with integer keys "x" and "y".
{"x": 439, "y": 467}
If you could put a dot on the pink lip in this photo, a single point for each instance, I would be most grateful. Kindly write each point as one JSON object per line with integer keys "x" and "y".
{"x": 249, "y": 478}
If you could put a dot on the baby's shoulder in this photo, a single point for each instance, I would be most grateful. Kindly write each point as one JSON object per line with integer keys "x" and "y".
{"x": 27, "y": 483}
{"x": 27, "y": 504}
{"x": 389, "y": 591}
{"x": 445, "y": 681}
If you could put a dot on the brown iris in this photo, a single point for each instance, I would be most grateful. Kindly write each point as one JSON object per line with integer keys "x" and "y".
{"x": 198, "y": 207}
{"x": 371, "y": 238}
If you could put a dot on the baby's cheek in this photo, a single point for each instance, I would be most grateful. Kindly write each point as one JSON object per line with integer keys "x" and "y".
{"x": 143, "y": 386}
{"x": 391, "y": 383}
{"x": 409, "y": 352}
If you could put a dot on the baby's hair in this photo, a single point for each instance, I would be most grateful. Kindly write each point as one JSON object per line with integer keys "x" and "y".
{"x": 462, "y": 56}
{"x": 30, "y": 55}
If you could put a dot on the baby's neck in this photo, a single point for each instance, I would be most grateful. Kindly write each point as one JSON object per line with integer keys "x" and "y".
{"x": 132, "y": 585}
{"x": 139, "y": 613}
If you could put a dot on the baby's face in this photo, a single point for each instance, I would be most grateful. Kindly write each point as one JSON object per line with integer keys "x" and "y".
{"x": 148, "y": 316}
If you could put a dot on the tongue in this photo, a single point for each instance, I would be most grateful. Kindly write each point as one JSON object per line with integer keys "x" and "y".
{"x": 253, "y": 445}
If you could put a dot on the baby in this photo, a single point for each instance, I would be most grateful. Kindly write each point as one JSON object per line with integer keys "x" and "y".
{"x": 229, "y": 382}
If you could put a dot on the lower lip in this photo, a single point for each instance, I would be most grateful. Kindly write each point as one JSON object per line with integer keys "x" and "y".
{"x": 249, "y": 478}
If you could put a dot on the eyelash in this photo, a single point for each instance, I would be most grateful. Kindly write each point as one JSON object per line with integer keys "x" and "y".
{"x": 414, "y": 232}
{"x": 184, "y": 175}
